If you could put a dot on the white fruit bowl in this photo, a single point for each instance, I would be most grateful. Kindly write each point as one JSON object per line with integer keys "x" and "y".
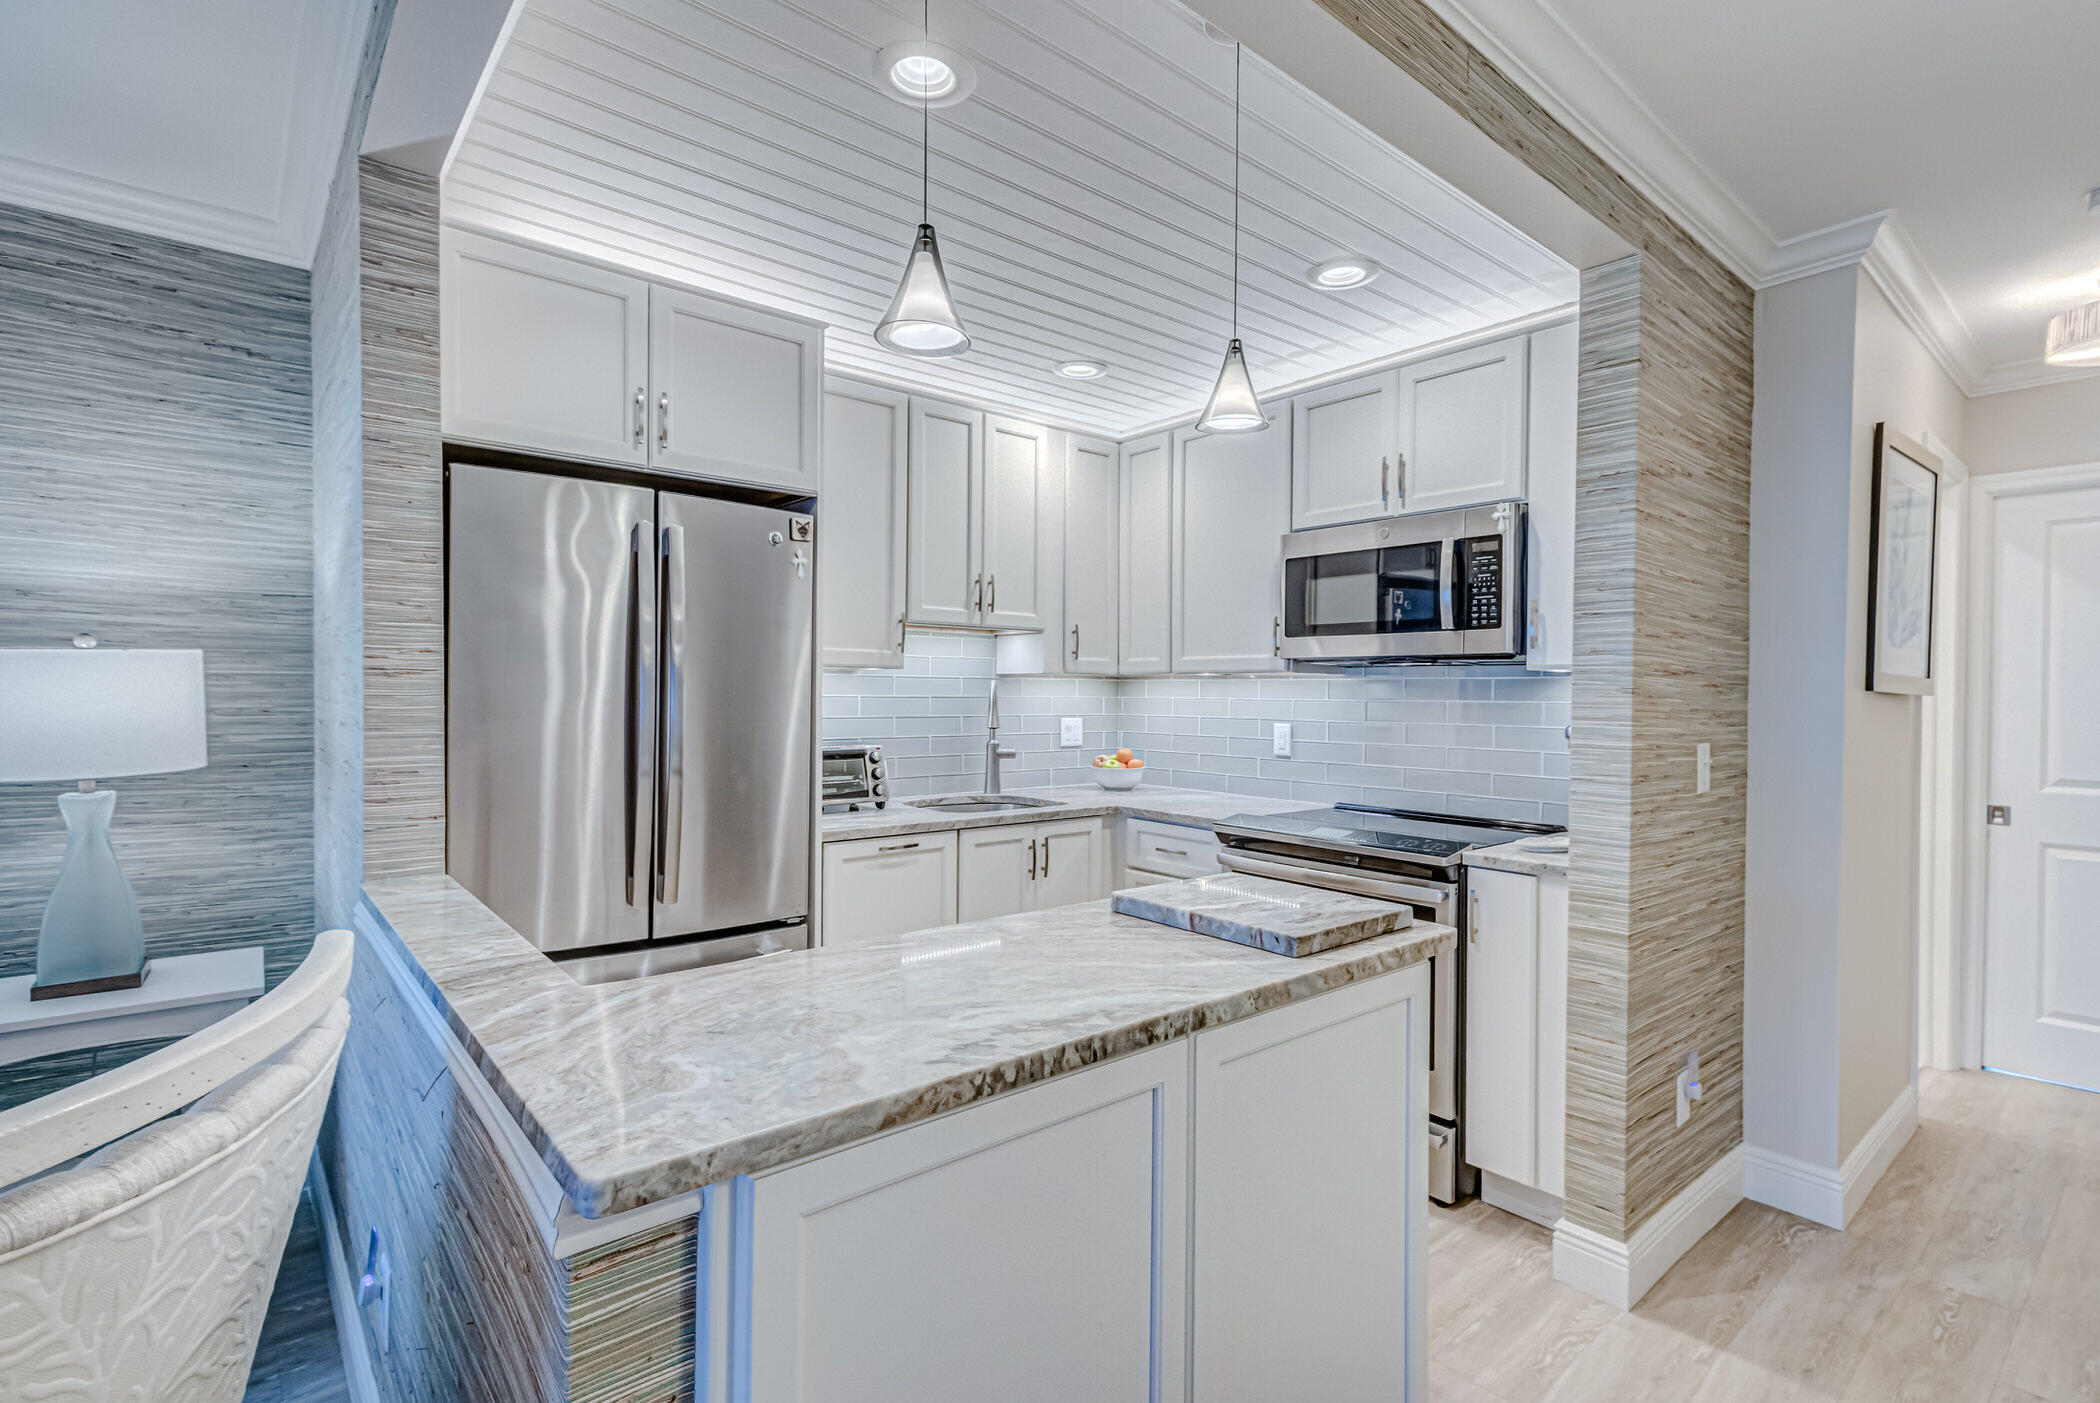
{"x": 1117, "y": 778}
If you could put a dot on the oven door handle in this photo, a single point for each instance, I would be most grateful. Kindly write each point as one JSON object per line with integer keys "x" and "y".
{"x": 1446, "y": 585}
{"x": 1361, "y": 884}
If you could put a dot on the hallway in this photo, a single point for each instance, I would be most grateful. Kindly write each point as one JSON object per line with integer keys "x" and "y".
{"x": 1972, "y": 1274}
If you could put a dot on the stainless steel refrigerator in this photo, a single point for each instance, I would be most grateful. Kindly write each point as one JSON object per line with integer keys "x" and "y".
{"x": 628, "y": 729}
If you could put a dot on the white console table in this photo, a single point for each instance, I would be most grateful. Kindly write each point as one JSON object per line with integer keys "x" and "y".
{"x": 182, "y": 993}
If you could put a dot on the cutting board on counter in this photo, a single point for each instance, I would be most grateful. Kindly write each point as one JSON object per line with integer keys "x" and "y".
{"x": 1280, "y": 917}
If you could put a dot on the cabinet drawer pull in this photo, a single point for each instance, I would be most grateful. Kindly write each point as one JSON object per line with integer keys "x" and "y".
{"x": 1173, "y": 852}
{"x": 897, "y": 847}
{"x": 1031, "y": 859}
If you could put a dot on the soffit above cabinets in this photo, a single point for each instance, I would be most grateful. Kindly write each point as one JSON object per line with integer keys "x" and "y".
{"x": 1082, "y": 191}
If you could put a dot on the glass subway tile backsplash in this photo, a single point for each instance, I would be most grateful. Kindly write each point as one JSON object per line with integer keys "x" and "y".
{"x": 1481, "y": 740}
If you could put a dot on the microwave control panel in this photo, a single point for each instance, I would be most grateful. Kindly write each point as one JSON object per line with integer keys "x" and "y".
{"x": 1483, "y": 583}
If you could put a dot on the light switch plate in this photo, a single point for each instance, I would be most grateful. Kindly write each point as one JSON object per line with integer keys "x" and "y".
{"x": 1069, "y": 732}
{"x": 1282, "y": 744}
{"x": 1706, "y": 767}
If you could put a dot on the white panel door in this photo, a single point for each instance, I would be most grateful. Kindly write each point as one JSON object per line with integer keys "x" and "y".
{"x": 1091, "y": 515}
{"x": 860, "y": 525}
{"x": 1462, "y": 422}
{"x": 1502, "y": 1024}
{"x": 1344, "y": 439}
{"x": 878, "y": 887}
{"x": 1071, "y": 863}
{"x": 1231, "y": 508}
{"x": 1017, "y": 485}
{"x": 1549, "y": 477}
{"x": 540, "y": 352}
{"x": 995, "y": 875}
{"x": 737, "y": 393}
{"x": 947, "y": 472}
{"x": 1145, "y": 602}
{"x": 1032, "y": 1247}
{"x": 1311, "y": 1188}
{"x": 2042, "y": 898}
{"x": 1553, "y": 1037}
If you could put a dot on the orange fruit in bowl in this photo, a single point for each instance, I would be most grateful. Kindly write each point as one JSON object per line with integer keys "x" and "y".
{"x": 1125, "y": 756}
{"x": 1135, "y": 764}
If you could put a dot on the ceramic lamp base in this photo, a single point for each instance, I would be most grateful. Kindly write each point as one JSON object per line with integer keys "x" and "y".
{"x": 91, "y": 939}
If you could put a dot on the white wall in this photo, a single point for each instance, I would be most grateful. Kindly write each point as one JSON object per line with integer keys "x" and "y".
{"x": 2049, "y": 426}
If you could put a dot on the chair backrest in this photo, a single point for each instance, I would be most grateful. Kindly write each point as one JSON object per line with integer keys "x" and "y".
{"x": 145, "y": 1270}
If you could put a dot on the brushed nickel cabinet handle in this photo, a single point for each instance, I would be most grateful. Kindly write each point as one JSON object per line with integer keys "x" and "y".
{"x": 1276, "y": 637}
{"x": 991, "y": 594}
{"x": 1075, "y": 643}
{"x": 900, "y": 633}
{"x": 641, "y": 413}
{"x": 1031, "y": 859}
{"x": 1384, "y": 468}
{"x": 1046, "y": 859}
{"x": 896, "y": 847}
{"x": 1473, "y": 918}
{"x": 977, "y": 600}
{"x": 663, "y": 420}
{"x": 1400, "y": 478}
{"x": 1173, "y": 852}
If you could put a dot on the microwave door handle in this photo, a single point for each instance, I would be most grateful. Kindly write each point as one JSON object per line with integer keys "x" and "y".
{"x": 670, "y": 831}
{"x": 1446, "y": 584}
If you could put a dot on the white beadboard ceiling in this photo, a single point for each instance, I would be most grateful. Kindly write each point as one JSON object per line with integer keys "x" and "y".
{"x": 1083, "y": 191}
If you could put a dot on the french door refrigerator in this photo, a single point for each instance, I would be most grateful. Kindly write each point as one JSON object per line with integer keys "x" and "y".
{"x": 628, "y": 728}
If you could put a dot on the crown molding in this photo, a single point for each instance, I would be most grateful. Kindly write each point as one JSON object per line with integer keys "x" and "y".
{"x": 2029, "y": 375}
{"x": 1896, "y": 267}
{"x": 1821, "y": 250}
{"x": 77, "y": 195}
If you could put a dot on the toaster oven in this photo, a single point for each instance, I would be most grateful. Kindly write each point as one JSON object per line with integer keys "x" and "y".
{"x": 853, "y": 777}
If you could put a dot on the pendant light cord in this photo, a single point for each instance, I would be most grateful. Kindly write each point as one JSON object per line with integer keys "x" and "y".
{"x": 1235, "y": 190}
{"x": 926, "y": 123}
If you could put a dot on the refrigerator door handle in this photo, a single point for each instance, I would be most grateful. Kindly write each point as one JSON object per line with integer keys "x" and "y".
{"x": 641, "y": 575}
{"x": 670, "y": 829}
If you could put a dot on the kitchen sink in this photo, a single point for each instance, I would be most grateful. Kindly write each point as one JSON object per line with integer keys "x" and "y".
{"x": 981, "y": 803}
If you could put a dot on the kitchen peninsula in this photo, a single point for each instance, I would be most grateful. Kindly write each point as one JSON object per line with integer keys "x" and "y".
{"x": 1077, "y": 1141}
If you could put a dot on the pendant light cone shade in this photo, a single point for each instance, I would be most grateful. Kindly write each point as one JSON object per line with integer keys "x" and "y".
{"x": 921, "y": 320}
{"x": 1234, "y": 408}
{"x": 2074, "y": 337}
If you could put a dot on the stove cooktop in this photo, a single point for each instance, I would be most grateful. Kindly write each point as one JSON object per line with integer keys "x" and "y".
{"x": 1436, "y": 838}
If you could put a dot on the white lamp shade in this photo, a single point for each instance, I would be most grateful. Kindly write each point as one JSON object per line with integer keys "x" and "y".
{"x": 96, "y": 713}
{"x": 921, "y": 319}
{"x": 2074, "y": 337}
{"x": 1234, "y": 408}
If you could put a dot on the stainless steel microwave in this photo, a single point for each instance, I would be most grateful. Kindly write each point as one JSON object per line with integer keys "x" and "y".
{"x": 1437, "y": 587}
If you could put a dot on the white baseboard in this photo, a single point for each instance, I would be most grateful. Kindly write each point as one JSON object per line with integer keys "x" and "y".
{"x": 1521, "y": 1199}
{"x": 358, "y": 1374}
{"x": 1621, "y": 1272}
{"x": 1830, "y": 1196}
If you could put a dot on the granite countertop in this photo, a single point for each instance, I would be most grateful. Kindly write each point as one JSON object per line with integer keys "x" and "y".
{"x": 638, "y": 1091}
{"x": 1202, "y": 808}
{"x": 1511, "y": 857}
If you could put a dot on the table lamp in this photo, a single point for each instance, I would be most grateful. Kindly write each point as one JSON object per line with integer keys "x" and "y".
{"x": 85, "y": 713}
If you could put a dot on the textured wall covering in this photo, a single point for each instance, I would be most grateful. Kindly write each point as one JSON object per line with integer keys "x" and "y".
{"x": 155, "y": 490}
{"x": 1662, "y": 648}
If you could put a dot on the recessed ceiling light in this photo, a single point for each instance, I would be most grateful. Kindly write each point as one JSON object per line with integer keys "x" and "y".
{"x": 2074, "y": 337}
{"x": 1350, "y": 270}
{"x": 924, "y": 74}
{"x": 1081, "y": 369}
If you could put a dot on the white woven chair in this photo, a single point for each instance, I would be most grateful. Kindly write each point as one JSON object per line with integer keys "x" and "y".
{"x": 142, "y": 1273}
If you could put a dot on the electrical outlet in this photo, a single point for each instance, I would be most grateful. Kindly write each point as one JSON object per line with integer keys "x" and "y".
{"x": 1688, "y": 1087}
{"x": 371, "y": 1289}
{"x": 1706, "y": 767}
{"x": 1282, "y": 743}
{"x": 1069, "y": 732}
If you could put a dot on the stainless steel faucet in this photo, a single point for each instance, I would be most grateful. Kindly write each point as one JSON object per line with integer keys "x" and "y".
{"x": 992, "y": 752}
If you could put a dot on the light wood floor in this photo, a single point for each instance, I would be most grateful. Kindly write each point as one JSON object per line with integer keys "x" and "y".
{"x": 1972, "y": 1273}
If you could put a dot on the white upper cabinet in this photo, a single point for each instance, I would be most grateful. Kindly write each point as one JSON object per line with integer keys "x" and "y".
{"x": 1462, "y": 427}
{"x": 1091, "y": 514}
{"x": 1018, "y": 477}
{"x": 736, "y": 393}
{"x": 947, "y": 474}
{"x": 1231, "y": 508}
{"x": 1145, "y": 603}
{"x": 541, "y": 352}
{"x": 860, "y": 525}
{"x": 1549, "y": 579}
{"x": 1344, "y": 440}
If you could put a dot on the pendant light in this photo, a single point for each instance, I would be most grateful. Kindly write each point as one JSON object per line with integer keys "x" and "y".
{"x": 921, "y": 319}
{"x": 2074, "y": 337}
{"x": 1234, "y": 408}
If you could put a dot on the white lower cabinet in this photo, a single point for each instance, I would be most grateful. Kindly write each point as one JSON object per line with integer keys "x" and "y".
{"x": 1041, "y": 1245}
{"x": 1169, "y": 851}
{"x": 1516, "y": 1028}
{"x": 1030, "y": 867}
{"x": 878, "y": 887}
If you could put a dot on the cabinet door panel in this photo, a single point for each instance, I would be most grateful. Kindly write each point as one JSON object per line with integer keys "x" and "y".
{"x": 860, "y": 525}
{"x": 1091, "y": 516}
{"x": 947, "y": 461}
{"x": 996, "y": 876}
{"x": 1502, "y": 1019}
{"x": 1549, "y": 478}
{"x": 1017, "y": 472}
{"x": 1343, "y": 442}
{"x": 1462, "y": 418}
{"x": 1145, "y": 641}
{"x": 1071, "y": 863}
{"x": 1231, "y": 508}
{"x": 737, "y": 393}
{"x": 880, "y": 887}
{"x": 540, "y": 352}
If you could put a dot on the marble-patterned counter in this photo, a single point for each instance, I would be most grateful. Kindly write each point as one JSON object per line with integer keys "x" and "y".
{"x": 1281, "y": 917}
{"x": 1513, "y": 857}
{"x": 638, "y": 1091}
{"x": 1202, "y": 808}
